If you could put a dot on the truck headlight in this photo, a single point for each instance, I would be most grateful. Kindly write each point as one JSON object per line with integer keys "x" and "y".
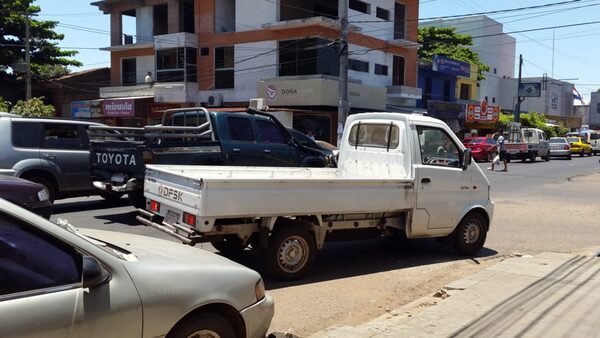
{"x": 43, "y": 195}
{"x": 260, "y": 290}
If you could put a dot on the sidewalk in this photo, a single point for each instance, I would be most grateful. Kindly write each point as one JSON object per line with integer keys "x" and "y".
{"x": 549, "y": 295}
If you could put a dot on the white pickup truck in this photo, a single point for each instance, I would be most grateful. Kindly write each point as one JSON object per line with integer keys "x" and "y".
{"x": 398, "y": 174}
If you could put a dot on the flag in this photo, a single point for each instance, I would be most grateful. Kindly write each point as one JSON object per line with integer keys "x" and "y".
{"x": 577, "y": 96}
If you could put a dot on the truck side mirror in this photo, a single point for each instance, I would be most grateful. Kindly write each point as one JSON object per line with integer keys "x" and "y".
{"x": 466, "y": 158}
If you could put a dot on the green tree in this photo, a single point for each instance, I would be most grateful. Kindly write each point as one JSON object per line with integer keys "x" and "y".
{"x": 4, "y": 105}
{"x": 46, "y": 56}
{"x": 33, "y": 107}
{"x": 446, "y": 42}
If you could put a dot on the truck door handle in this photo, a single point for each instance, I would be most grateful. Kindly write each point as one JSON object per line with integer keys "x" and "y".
{"x": 267, "y": 151}
{"x": 50, "y": 156}
{"x": 425, "y": 180}
{"x": 236, "y": 150}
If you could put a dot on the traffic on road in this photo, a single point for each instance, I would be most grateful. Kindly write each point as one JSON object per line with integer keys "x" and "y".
{"x": 388, "y": 183}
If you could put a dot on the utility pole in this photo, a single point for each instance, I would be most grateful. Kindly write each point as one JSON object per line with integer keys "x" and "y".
{"x": 519, "y": 100}
{"x": 343, "y": 52}
{"x": 27, "y": 56}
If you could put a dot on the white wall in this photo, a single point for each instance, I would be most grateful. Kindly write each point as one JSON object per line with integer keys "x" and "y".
{"x": 144, "y": 24}
{"x": 595, "y": 110}
{"x": 383, "y": 30}
{"x": 375, "y": 56}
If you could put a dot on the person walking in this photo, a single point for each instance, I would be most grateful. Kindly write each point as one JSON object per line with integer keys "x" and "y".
{"x": 502, "y": 148}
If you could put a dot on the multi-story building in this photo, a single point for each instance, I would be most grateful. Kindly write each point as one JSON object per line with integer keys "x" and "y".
{"x": 225, "y": 52}
{"x": 495, "y": 49}
{"x": 594, "y": 111}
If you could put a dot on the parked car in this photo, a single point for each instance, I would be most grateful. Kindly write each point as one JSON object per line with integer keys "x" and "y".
{"x": 482, "y": 148}
{"x": 51, "y": 152}
{"x": 578, "y": 146}
{"x": 29, "y": 195}
{"x": 306, "y": 141}
{"x": 58, "y": 282}
{"x": 559, "y": 147}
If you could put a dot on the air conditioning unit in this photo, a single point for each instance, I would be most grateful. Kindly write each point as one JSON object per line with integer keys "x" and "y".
{"x": 215, "y": 100}
{"x": 258, "y": 104}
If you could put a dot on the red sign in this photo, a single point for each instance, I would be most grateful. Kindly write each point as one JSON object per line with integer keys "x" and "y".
{"x": 476, "y": 113}
{"x": 118, "y": 107}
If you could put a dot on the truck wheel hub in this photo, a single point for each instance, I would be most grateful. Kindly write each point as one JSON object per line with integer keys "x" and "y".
{"x": 292, "y": 254}
{"x": 472, "y": 231}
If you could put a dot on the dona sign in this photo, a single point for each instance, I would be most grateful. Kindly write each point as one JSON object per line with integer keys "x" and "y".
{"x": 123, "y": 107}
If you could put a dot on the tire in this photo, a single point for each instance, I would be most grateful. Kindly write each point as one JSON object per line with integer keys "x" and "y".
{"x": 47, "y": 183}
{"x": 582, "y": 153}
{"x": 112, "y": 196}
{"x": 570, "y": 157}
{"x": 524, "y": 158}
{"x": 137, "y": 199}
{"x": 285, "y": 244}
{"x": 591, "y": 154}
{"x": 231, "y": 246}
{"x": 203, "y": 324}
{"x": 470, "y": 234}
{"x": 532, "y": 157}
{"x": 547, "y": 157}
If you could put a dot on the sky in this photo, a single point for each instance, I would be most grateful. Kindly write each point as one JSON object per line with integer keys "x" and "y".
{"x": 575, "y": 48}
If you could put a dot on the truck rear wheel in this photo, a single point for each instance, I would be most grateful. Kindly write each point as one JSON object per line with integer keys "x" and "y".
{"x": 532, "y": 157}
{"x": 470, "y": 234}
{"x": 290, "y": 254}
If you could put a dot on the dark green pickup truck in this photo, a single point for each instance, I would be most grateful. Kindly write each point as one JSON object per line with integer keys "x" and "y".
{"x": 193, "y": 136}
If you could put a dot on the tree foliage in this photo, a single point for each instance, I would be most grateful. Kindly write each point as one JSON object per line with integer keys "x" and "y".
{"x": 46, "y": 56}
{"x": 33, "y": 107}
{"x": 533, "y": 120}
{"x": 446, "y": 42}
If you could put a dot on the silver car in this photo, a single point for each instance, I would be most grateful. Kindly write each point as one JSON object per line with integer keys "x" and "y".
{"x": 57, "y": 282}
{"x": 559, "y": 147}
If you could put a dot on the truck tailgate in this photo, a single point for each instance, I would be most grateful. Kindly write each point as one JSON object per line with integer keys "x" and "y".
{"x": 226, "y": 192}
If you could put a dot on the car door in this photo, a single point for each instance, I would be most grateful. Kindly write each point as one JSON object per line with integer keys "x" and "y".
{"x": 40, "y": 282}
{"x": 65, "y": 150}
{"x": 241, "y": 148}
{"x": 278, "y": 149}
{"x": 26, "y": 140}
{"x": 443, "y": 187}
{"x": 544, "y": 146}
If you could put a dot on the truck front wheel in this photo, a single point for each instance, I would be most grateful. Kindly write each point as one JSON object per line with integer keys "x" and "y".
{"x": 290, "y": 254}
{"x": 470, "y": 234}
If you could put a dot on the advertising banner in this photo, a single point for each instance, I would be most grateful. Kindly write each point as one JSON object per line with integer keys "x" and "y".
{"x": 86, "y": 109}
{"x": 446, "y": 65}
{"x": 118, "y": 107}
{"x": 475, "y": 113}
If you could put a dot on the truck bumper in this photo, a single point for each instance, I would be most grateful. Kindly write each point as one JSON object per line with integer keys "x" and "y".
{"x": 131, "y": 185}
{"x": 258, "y": 317}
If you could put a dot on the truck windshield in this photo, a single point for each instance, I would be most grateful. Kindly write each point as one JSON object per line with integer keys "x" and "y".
{"x": 375, "y": 136}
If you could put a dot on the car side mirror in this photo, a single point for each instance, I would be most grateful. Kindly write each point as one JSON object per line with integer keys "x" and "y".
{"x": 93, "y": 273}
{"x": 466, "y": 158}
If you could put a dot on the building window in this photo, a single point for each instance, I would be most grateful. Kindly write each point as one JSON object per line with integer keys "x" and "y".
{"x": 224, "y": 73}
{"x": 495, "y": 70}
{"x": 399, "y": 21}
{"x": 493, "y": 100}
{"x": 398, "y": 69}
{"x": 383, "y": 13}
{"x": 358, "y": 65}
{"x": 128, "y": 72}
{"x": 465, "y": 90}
{"x": 360, "y": 6}
{"x": 381, "y": 69}
{"x": 294, "y": 9}
{"x": 308, "y": 57}
{"x": 176, "y": 65}
{"x": 186, "y": 15}
{"x": 160, "y": 19}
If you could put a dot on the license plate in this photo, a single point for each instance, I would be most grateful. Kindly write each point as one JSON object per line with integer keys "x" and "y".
{"x": 172, "y": 217}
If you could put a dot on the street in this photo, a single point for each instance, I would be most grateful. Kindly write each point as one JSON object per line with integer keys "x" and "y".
{"x": 543, "y": 206}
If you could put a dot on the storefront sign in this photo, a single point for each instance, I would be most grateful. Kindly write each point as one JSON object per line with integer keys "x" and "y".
{"x": 86, "y": 109}
{"x": 319, "y": 92}
{"x": 118, "y": 107}
{"x": 446, "y": 65}
{"x": 482, "y": 113}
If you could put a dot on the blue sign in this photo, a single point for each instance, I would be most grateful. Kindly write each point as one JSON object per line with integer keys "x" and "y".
{"x": 446, "y": 65}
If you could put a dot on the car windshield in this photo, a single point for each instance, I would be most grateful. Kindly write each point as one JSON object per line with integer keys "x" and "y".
{"x": 573, "y": 139}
